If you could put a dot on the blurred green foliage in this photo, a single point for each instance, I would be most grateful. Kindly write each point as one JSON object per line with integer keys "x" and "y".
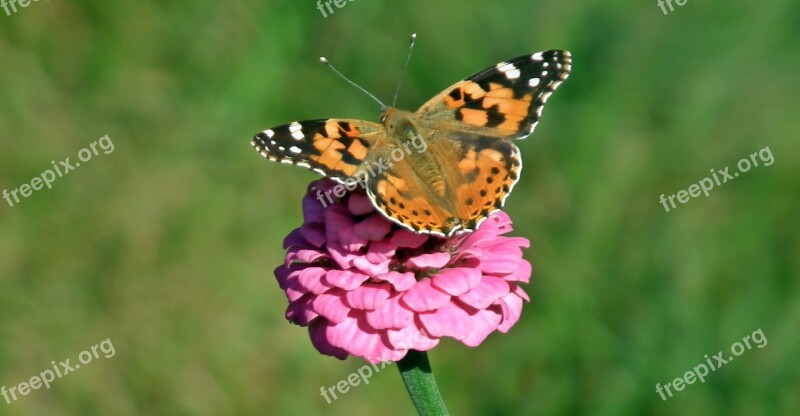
{"x": 167, "y": 245}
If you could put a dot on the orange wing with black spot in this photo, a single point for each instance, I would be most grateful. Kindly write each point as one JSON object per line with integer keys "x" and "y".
{"x": 331, "y": 147}
{"x": 452, "y": 187}
{"x": 504, "y": 100}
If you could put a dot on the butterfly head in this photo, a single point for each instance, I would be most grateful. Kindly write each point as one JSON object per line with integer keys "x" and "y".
{"x": 397, "y": 122}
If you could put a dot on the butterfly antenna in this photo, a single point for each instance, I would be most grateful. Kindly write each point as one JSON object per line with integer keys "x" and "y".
{"x": 325, "y": 61}
{"x": 405, "y": 68}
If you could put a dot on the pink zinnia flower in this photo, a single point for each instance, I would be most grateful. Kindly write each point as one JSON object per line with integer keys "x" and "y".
{"x": 366, "y": 286}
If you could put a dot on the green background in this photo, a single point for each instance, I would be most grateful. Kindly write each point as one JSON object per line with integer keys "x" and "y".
{"x": 167, "y": 245}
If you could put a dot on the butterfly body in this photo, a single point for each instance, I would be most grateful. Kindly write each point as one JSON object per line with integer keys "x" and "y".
{"x": 441, "y": 169}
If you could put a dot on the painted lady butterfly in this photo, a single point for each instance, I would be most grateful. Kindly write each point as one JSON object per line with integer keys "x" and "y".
{"x": 470, "y": 164}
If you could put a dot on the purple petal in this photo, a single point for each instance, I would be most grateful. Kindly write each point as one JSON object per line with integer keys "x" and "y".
{"x": 360, "y": 204}
{"x": 295, "y": 238}
{"x": 337, "y": 219}
{"x": 373, "y": 228}
{"x": 408, "y": 239}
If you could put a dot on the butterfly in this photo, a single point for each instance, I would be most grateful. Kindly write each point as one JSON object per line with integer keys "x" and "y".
{"x": 442, "y": 169}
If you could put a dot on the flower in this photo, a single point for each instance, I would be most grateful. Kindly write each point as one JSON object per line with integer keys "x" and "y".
{"x": 367, "y": 287}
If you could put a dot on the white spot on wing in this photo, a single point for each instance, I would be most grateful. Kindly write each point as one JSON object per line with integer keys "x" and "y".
{"x": 295, "y": 128}
{"x": 295, "y": 149}
{"x": 533, "y": 82}
{"x": 510, "y": 71}
{"x": 537, "y": 56}
{"x": 269, "y": 133}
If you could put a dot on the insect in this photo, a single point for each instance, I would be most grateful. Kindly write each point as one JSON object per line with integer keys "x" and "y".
{"x": 464, "y": 162}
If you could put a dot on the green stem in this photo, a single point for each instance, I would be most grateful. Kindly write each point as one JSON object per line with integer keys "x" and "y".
{"x": 418, "y": 378}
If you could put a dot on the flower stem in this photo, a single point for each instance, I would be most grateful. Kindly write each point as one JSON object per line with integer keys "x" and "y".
{"x": 418, "y": 378}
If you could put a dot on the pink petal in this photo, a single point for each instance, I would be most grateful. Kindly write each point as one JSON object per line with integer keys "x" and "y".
{"x": 392, "y": 314}
{"x": 350, "y": 240}
{"x": 311, "y": 278}
{"x": 483, "y": 323}
{"x": 449, "y": 321}
{"x": 434, "y": 260}
{"x": 512, "y": 310}
{"x": 407, "y": 238}
{"x": 294, "y": 290}
{"x": 331, "y": 306}
{"x": 515, "y": 289}
{"x": 309, "y": 256}
{"x": 345, "y": 279}
{"x": 368, "y": 296}
{"x": 319, "y": 337}
{"x": 372, "y": 269}
{"x": 457, "y": 281}
{"x": 424, "y": 297}
{"x": 373, "y": 228}
{"x": 400, "y": 281}
{"x": 522, "y": 274}
{"x": 486, "y": 292}
{"x": 500, "y": 263}
{"x": 411, "y": 337}
{"x": 352, "y": 337}
{"x": 380, "y": 251}
{"x": 382, "y": 353}
{"x": 300, "y": 312}
{"x": 344, "y": 258}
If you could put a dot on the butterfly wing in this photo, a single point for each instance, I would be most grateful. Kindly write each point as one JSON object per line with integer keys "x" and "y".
{"x": 331, "y": 147}
{"x": 470, "y": 125}
{"x": 449, "y": 187}
{"x": 505, "y": 100}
